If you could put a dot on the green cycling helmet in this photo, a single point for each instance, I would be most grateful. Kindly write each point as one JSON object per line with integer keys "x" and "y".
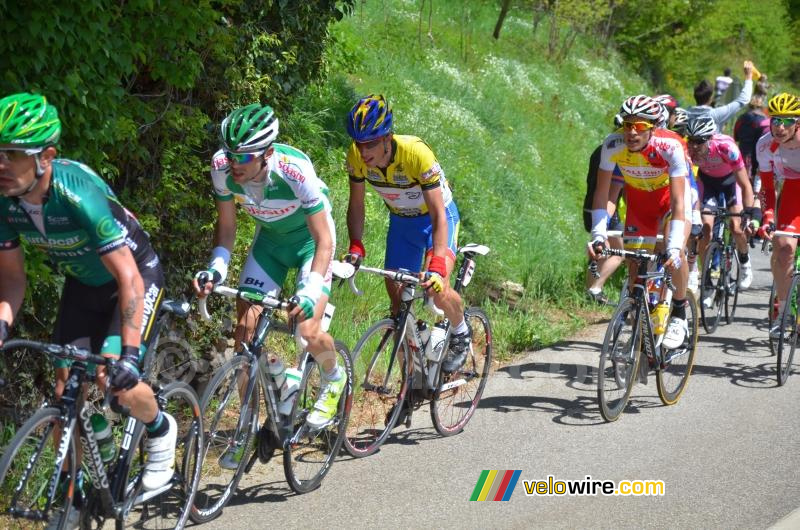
{"x": 27, "y": 120}
{"x": 249, "y": 129}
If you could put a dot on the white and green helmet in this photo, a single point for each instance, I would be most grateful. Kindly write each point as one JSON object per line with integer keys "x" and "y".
{"x": 249, "y": 129}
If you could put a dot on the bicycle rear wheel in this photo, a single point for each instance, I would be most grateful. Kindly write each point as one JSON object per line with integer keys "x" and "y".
{"x": 458, "y": 393}
{"x": 788, "y": 337}
{"x": 731, "y": 282}
{"x": 27, "y": 469}
{"x": 224, "y": 441}
{"x": 712, "y": 289}
{"x": 619, "y": 360}
{"x": 171, "y": 507}
{"x": 380, "y": 382}
{"x": 309, "y": 454}
{"x": 673, "y": 374}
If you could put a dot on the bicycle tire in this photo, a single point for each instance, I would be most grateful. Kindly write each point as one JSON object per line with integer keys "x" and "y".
{"x": 221, "y": 407}
{"x": 373, "y": 413}
{"x": 619, "y": 359}
{"x": 451, "y": 409}
{"x": 711, "y": 289}
{"x": 28, "y": 441}
{"x": 732, "y": 283}
{"x": 673, "y": 375}
{"x": 786, "y": 344}
{"x": 308, "y": 460}
{"x": 772, "y": 314}
{"x": 174, "y": 506}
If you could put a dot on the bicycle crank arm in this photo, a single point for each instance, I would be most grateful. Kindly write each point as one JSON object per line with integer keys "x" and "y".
{"x": 452, "y": 384}
{"x": 147, "y": 495}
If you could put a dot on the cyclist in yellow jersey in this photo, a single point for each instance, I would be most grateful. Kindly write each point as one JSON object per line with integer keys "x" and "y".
{"x": 423, "y": 217}
{"x": 655, "y": 170}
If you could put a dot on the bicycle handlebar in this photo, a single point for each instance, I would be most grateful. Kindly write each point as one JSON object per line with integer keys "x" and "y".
{"x": 67, "y": 352}
{"x": 396, "y": 275}
{"x": 254, "y": 298}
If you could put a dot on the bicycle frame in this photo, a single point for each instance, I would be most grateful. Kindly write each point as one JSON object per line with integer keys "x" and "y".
{"x": 252, "y": 350}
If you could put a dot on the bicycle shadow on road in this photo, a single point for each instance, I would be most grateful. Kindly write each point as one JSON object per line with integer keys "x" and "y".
{"x": 275, "y": 491}
{"x": 761, "y": 376}
{"x": 752, "y": 348}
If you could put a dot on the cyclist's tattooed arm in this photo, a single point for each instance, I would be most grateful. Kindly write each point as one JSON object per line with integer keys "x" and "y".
{"x": 121, "y": 265}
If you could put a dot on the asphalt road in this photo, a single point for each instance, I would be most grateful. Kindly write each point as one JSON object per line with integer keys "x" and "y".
{"x": 727, "y": 452}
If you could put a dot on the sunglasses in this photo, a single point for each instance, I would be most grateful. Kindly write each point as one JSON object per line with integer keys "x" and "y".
{"x": 13, "y": 155}
{"x": 242, "y": 158}
{"x": 786, "y": 122}
{"x": 697, "y": 141}
{"x": 638, "y": 126}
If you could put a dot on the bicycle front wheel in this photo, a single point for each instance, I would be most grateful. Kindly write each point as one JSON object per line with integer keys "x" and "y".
{"x": 772, "y": 316}
{"x": 171, "y": 506}
{"x": 27, "y": 469}
{"x": 619, "y": 360}
{"x": 380, "y": 383}
{"x": 712, "y": 287}
{"x": 731, "y": 283}
{"x": 676, "y": 366}
{"x": 788, "y": 336}
{"x": 309, "y": 453}
{"x": 458, "y": 393}
{"x": 227, "y": 445}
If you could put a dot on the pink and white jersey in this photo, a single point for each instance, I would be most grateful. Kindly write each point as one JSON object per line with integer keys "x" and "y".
{"x": 780, "y": 160}
{"x": 723, "y": 157}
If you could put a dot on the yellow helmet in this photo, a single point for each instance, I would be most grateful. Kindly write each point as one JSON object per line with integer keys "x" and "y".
{"x": 784, "y": 105}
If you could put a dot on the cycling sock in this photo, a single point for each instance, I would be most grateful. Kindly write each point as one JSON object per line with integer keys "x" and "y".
{"x": 679, "y": 308}
{"x": 157, "y": 427}
{"x": 744, "y": 258}
{"x": 595, "y": 290}
{"x": 461, "y": 328}
{"x": 334, "y": 375}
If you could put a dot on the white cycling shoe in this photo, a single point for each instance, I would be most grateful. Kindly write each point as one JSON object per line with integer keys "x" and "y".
{"x": 160, "y": 464}
{"x": 746, "y": 275}
{"x": 676, "y": 333}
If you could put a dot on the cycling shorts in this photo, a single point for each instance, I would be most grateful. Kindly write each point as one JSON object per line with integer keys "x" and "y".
{"x": 410, "y": 238}
{"x": 89, "y": 316}
{"x": 713, "y": 187}
{"x": 646, "y": 215}
{"x": 269, "y": 262}
{"x": 788, "y": 218}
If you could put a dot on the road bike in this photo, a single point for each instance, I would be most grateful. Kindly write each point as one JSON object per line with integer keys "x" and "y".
{"x": 398, "y": 366}
{"x": 231, "y": 409}
{"x": 39, "y": 468}
{"x": 632, "y": 345}
{"x": 719, "y": 282}
{"x": 786, "y": 342}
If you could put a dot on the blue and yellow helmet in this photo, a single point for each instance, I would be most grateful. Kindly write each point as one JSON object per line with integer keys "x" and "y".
{"x": 370, "y": 118}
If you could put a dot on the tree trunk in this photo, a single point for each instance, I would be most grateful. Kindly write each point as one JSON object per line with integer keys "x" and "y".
{"x": 503, "y": 12}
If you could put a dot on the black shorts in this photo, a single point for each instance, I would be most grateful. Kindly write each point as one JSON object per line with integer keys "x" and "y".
{"x": 713, "y": 187}
{"x": 93, "y": 313}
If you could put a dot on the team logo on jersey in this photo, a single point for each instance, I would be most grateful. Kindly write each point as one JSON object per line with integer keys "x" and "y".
{"x": 292, "y": 171}
{"x": 399, "y": 177}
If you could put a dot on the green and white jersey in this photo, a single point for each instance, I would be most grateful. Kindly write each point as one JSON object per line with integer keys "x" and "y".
{"x": 80, "y": 220}
{"x": 280, "y": 204}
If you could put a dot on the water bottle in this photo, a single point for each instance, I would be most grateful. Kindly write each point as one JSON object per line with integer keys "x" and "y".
{"x": 438, "y": 336}
{"x": 425, "y": 336}
{"x": 104, "y": 437}
{"x": 659, "y": 316}
{"x": 289, "y": 390}
{"x": 277, "y": 371}
{"x": 654, "y": 289}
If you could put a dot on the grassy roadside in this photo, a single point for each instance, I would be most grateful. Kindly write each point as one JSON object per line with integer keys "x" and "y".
{"x": 512, "y": 131}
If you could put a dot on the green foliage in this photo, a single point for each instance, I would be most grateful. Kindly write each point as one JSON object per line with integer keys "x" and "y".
{"x": 140, "y": 87}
